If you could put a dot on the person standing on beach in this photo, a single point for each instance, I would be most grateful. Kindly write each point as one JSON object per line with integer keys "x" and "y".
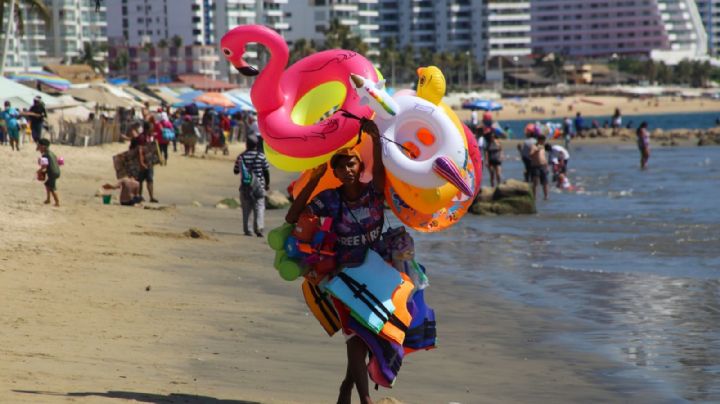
{"x": 254, "y": 182}
{"x": 538, "y": 167}
{"x": 51, "y": 171}
{"x": 359, "y": 211}
{"x": 10, "y": 115}
{"x": 579, "y": 124}
{"x": 643, "y": 142}
{"x": 617, "y": 119}
{"x": 567, "y": 129}
{"x": 189, "y": 133}
{"x": 147, "y": 173}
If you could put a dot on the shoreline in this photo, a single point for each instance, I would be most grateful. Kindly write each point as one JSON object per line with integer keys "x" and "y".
{"x": 113, "y": 302}
{"x": 553, "y": 108}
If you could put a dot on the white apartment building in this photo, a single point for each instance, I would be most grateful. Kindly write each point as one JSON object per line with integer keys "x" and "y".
{"x": 485, "y": 28}
{"x": 309, "y": 19}
{"x": 685, "y": 30}
{"x": 710, "y": 14}
{"x": 74, "y": 22}
{"x": 136, "y": 22}
{"x": 196, "y": 22}
{"x": 507, "y": 28}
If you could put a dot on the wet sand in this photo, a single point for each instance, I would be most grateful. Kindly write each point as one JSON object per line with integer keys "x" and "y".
{"x": 104, "y": 304}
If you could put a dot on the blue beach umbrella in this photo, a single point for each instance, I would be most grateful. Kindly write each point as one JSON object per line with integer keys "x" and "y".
{"x": 483, "y": 105}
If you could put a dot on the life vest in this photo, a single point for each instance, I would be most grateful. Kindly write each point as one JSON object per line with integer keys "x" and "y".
{"x": 321, "y": 307}
{"x": 376, "y": 295}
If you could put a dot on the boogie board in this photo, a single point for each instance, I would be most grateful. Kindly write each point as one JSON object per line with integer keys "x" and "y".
{"x": 128, "y": 163}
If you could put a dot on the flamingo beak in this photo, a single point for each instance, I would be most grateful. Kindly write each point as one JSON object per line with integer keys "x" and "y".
{"x": 447, "y": 169}
{"x": 245, "y": 69}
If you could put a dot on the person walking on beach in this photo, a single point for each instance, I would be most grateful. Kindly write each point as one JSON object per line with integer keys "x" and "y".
{"x": 358, "y": 209}
{"x": 10, "y": 115}
{"x": 493, "y": 152}
{"x": 643, "y": 142}
{"x": 164, "y": 132}
{"x": 538, "y": 167}
{"x": 37, "y": 115}
{"x": 189, "y": 135}
{"x": 617, "y": 119}
{"x": 51, "y": 171}
{"x": 254, "y": 182}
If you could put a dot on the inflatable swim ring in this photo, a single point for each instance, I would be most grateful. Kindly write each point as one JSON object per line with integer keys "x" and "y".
{"x": 298, "y": 108}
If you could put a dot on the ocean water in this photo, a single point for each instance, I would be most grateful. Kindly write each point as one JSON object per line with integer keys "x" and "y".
{"x": 632, "y": 256}
{"x": 697, "y": 120}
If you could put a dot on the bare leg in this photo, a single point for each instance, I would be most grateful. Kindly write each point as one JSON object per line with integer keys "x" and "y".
{"x": 357, "y": 352}
{"x": 47, "y": 195}
{"x": 55, "y": 197}
{"x": 346, "y": 387}
{"x": 545, "y": 191}
{"x": 150, "y": 191}
{"x": 498, "y": 174}
{"x": 534, "y": 186}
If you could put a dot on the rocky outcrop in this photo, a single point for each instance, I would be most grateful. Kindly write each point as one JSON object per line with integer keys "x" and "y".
{"x": 512, "y": 197}
{"x": 276, "y": 200}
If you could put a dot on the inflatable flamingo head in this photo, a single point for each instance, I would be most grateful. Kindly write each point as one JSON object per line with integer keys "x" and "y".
{"x": 233, "y": 44}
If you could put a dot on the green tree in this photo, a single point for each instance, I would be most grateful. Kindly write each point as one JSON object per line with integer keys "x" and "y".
{"x": 89, "y": 56}
{"x": 339, "y": 36}
{"x": 302, "y": 48}
{"x": 120, "y": 62}
{"x": 176, "y": 41}
{"x": 16, "y": 7}
{"x": 389, "y": 57}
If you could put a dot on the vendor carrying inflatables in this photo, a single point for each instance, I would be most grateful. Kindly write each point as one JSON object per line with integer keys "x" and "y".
{"x": 357, "y": 209}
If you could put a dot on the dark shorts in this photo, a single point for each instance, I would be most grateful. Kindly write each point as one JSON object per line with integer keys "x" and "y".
{"x": 541, "y": 173}
{"x": 36, "y": 129}
{"x": 146, "y": 175}
{"x": 50, "y": 183}
{"x": 495, "y": 163}
{"x": 132, "y": 202}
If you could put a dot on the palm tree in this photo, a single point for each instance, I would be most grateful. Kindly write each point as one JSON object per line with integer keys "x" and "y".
{"x": 87, "y": 57}
{"x": 16, "y": 15}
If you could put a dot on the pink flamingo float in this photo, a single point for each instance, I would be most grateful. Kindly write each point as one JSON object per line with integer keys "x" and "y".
{"x": 276, "y": 92}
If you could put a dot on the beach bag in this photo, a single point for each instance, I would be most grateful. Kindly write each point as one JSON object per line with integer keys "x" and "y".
{"x": 168, "y": 134}
{"x": 249, "y": 184}
{"x": 321, "y": 307}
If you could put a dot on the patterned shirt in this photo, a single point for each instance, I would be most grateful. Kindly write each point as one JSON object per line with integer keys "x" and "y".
{"x": 358, "y": 224}
{"x": 255, "y": 162}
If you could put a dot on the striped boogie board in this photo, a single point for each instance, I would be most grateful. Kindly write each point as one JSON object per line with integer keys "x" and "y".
{"x": 321, "y": 307}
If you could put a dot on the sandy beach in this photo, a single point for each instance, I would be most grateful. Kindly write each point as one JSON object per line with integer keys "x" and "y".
{"x": 104, "y": 304}
{"x": 543, "y": 108}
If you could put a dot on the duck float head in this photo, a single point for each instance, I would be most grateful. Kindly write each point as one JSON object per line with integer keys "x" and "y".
{"x": 431, "y": 84}
{"x": 424, "y": 148}
{"x": 298, "y": 108}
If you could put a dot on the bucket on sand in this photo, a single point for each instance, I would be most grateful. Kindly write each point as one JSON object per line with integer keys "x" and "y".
{"x": 107, "y": 199}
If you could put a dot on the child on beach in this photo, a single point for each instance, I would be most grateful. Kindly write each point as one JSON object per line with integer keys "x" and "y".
{"x": 494, "y": 159}
{"x": 129, "y": 191}
{"x": 10, "y": 116}
{"x": 51, "y": 171}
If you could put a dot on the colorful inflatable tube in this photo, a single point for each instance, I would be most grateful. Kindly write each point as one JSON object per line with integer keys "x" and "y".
{"x": 298, "y": 107}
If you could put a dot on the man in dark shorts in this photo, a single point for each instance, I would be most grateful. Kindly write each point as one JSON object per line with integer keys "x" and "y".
{"x": 51, "y": 171}
{"x": 538, "y": 166}
{"x": 37, "y": 115}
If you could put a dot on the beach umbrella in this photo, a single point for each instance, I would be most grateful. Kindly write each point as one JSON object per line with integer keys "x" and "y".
{"x": 47, "y": 79}
{"x": 215, "y": 99}
{"x": 483, "y": 105}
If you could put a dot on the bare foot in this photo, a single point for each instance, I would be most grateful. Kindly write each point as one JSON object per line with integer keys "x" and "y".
{"x": 47, "y": 202}
{"x": 57, "y": 205}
